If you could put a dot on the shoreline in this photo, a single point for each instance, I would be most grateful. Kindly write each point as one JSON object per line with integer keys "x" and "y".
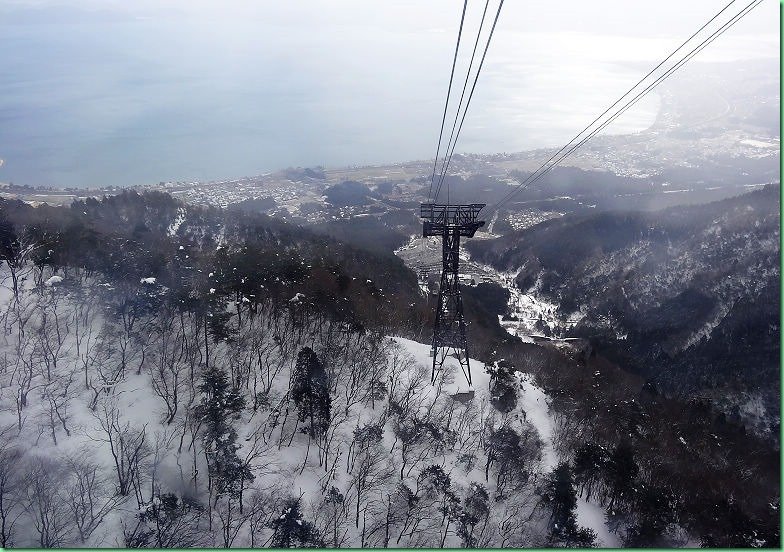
{"x": 540, "y": 151}
{"x": 424, "y": 163}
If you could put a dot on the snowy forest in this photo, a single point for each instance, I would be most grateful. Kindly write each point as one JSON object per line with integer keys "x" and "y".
{"x": 232, "y": 381}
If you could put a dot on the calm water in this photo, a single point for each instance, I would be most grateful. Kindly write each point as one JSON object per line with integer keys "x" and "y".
{"x": 133, "y": 102}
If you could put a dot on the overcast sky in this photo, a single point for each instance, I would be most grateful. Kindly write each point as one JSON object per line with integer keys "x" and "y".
{"x": 324, "y": 81}
{"x": 637, "y": 18}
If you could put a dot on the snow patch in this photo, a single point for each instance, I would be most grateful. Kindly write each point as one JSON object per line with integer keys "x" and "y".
{"x": 176, "y": 223}
{"x": 53, "y": 280}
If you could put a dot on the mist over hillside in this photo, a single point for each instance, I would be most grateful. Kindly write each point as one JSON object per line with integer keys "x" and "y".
{"x": 241, "y": 305}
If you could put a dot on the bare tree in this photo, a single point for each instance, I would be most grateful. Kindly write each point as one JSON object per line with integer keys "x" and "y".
{"x": 263, "y": 507}
{"x": 136, "y": 319}
{"x": 167, "y": 366}
{"x": 86, "y": 324}
{"x": 128, "y": 447}
{"x": 101, "y": 360}
{"x": 51, "y": 331}
{"x": 516, "y": 524}
{"x": 376, "y": 385}
{"x": 417, "y": 516}
{"x": 418, "y": 419}
{"x": 371, "y": 470}
{"x": 162, "y": 442}
{"x": 56, "y": 398}
{"x": 236, "y": 514}
{"x": 16, "y": 251}
{"x": 266, "y": 368}
{"x": 11, "y": 484}
{"x": 360, "y": 362}
{"x": 23, "y": 373}
{"x": 87, "y": 495}
{"x": 331, "y": 518}
{"x": 46, "y": 505}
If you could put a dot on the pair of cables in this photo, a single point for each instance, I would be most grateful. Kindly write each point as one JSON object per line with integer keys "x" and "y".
{"x": 455, "y": 133}
{"x": 613, "y": 112}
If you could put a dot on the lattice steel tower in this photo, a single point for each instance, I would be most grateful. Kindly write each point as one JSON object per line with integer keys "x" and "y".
{"x": 449, "y": 334}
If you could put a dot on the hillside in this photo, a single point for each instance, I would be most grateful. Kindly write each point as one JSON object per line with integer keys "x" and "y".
{"x": 169, "y": 381}
{"x": 177, "y": 376}
{"x": 686, "y": 297}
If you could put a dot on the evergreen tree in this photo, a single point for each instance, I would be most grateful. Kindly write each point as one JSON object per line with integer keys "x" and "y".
{"x": 290, "y": 530}
{"x": 654, "y": 510}
{"x": 436, "y": 484}
{"x": 219, "y": 405}
{"x": 513, "y": 454}
{"x": 503, "y": 388}
{"x": 167, "y": 522}
{"x": 560, "y": 495}
{"x": 336, "y": 504}
{"x": 310, "y": 392}
{"x": 589, "y": 460}
{"x": 621, "y": 474}
{"x": 475, "y": 511}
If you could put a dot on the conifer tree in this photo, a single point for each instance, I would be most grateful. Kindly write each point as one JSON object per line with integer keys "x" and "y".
{"x": 219, "y": 406}
{"x": 290, "y": 530}
{"x": 475, "y": 512}
{"x": 560, "y": 496}
{"x": 310, "y": 392}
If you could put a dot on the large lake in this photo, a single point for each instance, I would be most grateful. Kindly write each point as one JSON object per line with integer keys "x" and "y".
{"x": 140, "y": 101}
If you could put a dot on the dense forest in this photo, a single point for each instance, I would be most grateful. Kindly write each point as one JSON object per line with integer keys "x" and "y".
{"x": 173, "y": 376}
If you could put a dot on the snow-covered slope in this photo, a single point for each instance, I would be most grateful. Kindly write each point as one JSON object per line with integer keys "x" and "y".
{"x": 116, "y": 406}
{"x": 535, "y": 407}
{"x": 687, "y": 295}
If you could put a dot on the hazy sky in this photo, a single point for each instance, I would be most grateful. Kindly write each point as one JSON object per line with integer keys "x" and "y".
{"x": 652, "y": 26}
{"x": 328, "y": 81}
{"x": 662, "y": 18}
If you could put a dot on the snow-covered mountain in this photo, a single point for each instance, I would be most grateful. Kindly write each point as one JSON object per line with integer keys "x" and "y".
{"x": 688, "y": 296}
{"x": 176, "y": 376}
{"x": 168, "y": 393}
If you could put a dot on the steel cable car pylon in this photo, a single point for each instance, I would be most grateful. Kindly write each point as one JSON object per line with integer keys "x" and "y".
{"x": 450, "y": 222}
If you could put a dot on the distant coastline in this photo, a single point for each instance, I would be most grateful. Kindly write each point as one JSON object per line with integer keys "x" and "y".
{"x": 77, "y": 191}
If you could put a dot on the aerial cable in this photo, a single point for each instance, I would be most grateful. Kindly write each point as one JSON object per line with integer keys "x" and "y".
{"x": 533, "y": 177}
{"x": 442, "y": 177}
{"x": 448, "y": 93}
{"x": 465, "y": 85}
{"x": 470, "y": 95}
{"x": 632, "y": 88}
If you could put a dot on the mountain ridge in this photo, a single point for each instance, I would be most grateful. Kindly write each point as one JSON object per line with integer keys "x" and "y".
{"x": 661, "y": 292}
